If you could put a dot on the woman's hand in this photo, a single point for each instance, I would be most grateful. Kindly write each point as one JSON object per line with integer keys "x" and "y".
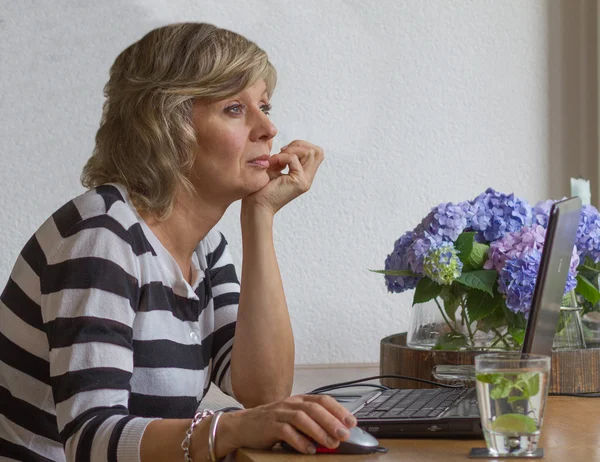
{"x": 296, "y": 420}
{"x": 303, "y": 160}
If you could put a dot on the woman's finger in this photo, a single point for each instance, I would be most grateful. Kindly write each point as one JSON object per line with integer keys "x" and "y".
{"x": 335, "y": 408}
{"x": 294, "y": 438}
{"x": 311, "y": 429}
{"x": 325, "y": 419}
{"x": 283, "y": 160}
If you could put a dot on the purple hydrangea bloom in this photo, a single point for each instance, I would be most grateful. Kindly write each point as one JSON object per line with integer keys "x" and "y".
{"x": 516, "y": 244}
{"x": 421, "y": 245}
{"x": 541, "y": 212}
{"x": 494, "y": 214}
{"x": 588, "y": 233}
{"x": 447, "y": 220}
{"x": 518, "y": 277}
{"x": 517, "y": 281}
{"x": 398, "y": 260}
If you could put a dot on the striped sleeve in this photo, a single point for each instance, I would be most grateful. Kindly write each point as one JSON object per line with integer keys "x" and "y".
{"x": 226, "y": 296}
{"x": 89, "y": 295}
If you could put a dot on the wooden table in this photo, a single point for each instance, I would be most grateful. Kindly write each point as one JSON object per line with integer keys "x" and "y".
{"x": 570, "y": 433}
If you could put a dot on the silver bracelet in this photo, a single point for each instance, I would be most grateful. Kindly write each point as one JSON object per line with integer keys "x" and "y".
{"x": 212, "y": 435}
{"x": 185, "y": 444}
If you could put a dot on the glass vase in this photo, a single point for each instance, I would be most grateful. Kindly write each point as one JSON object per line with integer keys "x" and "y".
{"x": 426, "y": 326}
{"x": 430, "y": 327}
{"x": 569, "y": 334}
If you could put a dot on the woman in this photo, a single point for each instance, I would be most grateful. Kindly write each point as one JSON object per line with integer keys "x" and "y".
{"x": 125, "y": 305}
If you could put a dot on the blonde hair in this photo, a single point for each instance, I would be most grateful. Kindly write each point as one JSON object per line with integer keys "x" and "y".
{"x": 146, "y": 140}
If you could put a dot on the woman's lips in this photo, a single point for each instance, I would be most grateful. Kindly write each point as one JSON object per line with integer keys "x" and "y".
{"x": 262, "y": 161}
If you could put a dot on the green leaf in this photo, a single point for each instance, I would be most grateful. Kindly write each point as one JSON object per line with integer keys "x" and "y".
{"x": 587, "y": 290}
{"x": 451, "y": 341}
{"x": 517, "y": 333}
{"x": 488, "y": 378}
{"x": 480, "y": 280}
{"x": 477, "y": 257}
{"x": 464, "y": 245}
{"x": 481, "y": 304}
{"x": 589, "y": 265}
{"x": 512, "y": 399}
{"x": 426, "y": 290}
{"x": 452, "y": 297}
{"x": 529, "y": 382}
{"x": 501, "y": 389}
{"x": 395, "y": 272}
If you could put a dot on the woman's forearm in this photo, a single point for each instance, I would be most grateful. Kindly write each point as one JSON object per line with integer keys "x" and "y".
{"x": 162, "y": 439}
{"x": 262, "y": 358}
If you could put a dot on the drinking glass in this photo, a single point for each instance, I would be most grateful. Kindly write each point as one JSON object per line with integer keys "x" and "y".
{"x": 512, "y": 389}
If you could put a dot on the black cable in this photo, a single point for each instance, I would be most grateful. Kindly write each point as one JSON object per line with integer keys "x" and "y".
{"x": 334, "y": 387}
{"x": 375, "y": 377}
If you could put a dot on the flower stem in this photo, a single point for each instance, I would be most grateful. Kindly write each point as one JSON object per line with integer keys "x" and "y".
{"x": 466, "y": 320}
{"x": 500, "y": 338}
{"x": 444, "y": 315}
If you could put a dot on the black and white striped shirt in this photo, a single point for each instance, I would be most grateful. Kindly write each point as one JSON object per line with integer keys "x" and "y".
{"x": 100, "y": 333}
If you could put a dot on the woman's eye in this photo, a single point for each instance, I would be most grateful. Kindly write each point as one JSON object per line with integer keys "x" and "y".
{"x": 235, "y": 109}
{"x": 266, "y": 109}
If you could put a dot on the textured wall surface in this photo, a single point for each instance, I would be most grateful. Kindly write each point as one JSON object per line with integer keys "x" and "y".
{"x": 415, "y": 103}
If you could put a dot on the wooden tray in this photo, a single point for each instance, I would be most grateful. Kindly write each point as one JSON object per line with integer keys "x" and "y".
{"x": 575, "y": 371}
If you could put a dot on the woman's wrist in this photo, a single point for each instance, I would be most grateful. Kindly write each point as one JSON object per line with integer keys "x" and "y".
{"x": 227, "y": 434}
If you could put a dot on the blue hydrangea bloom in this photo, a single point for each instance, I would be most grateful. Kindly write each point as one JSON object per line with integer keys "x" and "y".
{"x": 442, "y": 264}
{"x": 493, "y": 214}
{"x": 517, "y": 280}
{"x": 447, "y": 220}
{"x": 421, "y": 244}
{"x": 541, "y": 212}
{"x": 398, "y": 260}
{"x": 588, "y": 233}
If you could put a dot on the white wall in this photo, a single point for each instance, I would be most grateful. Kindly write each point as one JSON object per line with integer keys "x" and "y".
{"x": 415, "y": 103}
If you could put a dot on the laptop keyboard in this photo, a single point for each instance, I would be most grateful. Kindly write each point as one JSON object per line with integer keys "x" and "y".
{"x": 413, "y": 403}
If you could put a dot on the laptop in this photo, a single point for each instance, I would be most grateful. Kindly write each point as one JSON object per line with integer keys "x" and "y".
{"x": 454, "y": 412}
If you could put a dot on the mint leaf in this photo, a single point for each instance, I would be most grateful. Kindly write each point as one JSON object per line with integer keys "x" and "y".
{"x": 426, "y": 290}
{"x": 501, "y": 389}
{"x": 587, "y": 290}
{"x": 395, "y": 272}
{"x": 512, "y": 399}
{"x": 488, "y": 378}
{"x": 480, "y": 280}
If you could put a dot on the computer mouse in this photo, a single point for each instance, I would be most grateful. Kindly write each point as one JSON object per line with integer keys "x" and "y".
{"x": 359, "y": 442}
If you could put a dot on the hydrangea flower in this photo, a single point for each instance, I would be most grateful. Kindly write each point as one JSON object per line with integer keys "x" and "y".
{"x": 541, "y": 212}
{"x": 588, "y": 233}
{"x": 517, "y": 281}
{"x": 447, "y": 220}
{"x": 494, "y": 214}
{"x": 516, "y": 244}
{"x": 398, "y": 260}
{"x": 518, "y": 277}
{"x": 442, "y": 264}
{"x": 418, "y": 249}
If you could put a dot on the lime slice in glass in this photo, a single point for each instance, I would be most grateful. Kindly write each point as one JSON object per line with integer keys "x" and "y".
{"x": 514, "y": 423}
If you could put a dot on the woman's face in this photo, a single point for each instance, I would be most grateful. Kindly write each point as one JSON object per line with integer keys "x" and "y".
{"x": 232, "y": 133}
